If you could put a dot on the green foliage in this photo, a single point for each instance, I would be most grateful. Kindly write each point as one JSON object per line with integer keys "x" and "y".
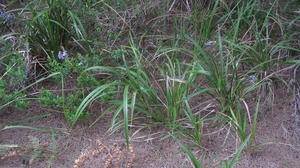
{"x": 12, "y": 62}
{"x": 209, "y": 19}
{"x": 224, "y": 163}
{"x": 49, "y": 99}
{"x": 178, "y": 80}
{"x": 51, "y": 28}
{"x": 12, "y": 75}
{"x": 229, "y": 51}
{"x": 125, "y": 114}
{"x": 90, "y": 60}
{"x": 97, "y": 93}
{"x": 66, "y": 67}
{"x": 87, "y": 80}
{"x": 68, "y": 104}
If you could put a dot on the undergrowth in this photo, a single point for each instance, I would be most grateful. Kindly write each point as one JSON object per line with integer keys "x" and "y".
{"x": 183, "y": 66}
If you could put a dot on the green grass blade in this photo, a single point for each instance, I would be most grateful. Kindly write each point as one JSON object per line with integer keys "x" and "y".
{"x": 96, "y": 93}
{"x": 236, "y": 156}
{"x": 195, "y": 162}
{"x": 25, "y": 127}
{"x": 30, "y": 119}
{"x": 253, "y": 128}
{"x": 125, "y": 113}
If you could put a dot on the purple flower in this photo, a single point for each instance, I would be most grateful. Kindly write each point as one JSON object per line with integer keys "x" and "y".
{"x": 62, "y": 54}
{"x": 5, "y": 16}
{"x": 252, "y": 79}
{"x": 65, "y": 53}
{"x": 2, "y": 14}
{"x": 60, "y": 57}
{"x": 8, "y": 18}
{"x": 209, "y": 43}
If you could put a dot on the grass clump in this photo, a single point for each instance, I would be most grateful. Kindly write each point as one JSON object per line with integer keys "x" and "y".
{"x": 51, "y": 28}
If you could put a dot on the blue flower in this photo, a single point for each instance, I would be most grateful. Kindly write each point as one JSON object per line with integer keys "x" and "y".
{"x": 252, "y": 79}
{"x": 6, "y": 17}
{"x": 209, "y": 43}
{"x": 9, "y": 18}
{"x": 62, "y": 54}
{"x": 65, "y": 52}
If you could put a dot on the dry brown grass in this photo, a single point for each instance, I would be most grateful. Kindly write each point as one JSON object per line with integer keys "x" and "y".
{"x": 112, "y": 156}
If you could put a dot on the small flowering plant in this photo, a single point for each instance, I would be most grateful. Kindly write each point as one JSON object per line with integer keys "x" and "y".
{"x": 62, "y": 55}
{"x": 64, "y": 64}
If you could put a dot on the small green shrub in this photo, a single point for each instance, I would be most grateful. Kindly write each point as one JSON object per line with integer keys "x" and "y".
{"x": 67, "y": 104}
{"x": 12, "y": 75}
{"x": 86, "y": 80}
{"x": 66, "y": 66}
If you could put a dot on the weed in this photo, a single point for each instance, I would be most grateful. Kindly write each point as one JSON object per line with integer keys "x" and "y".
{"x": 67, "y": 104}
